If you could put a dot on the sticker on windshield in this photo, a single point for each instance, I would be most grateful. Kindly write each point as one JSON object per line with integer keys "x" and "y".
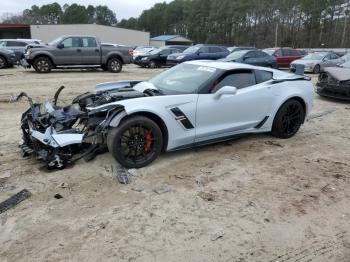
{"x": 207, "y": 69}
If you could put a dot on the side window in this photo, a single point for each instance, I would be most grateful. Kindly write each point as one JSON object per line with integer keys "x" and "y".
{"x": 287, "y": 52}
{"x": 16, "y": 43}
{"x": 296, "y": 53}
{"x": 174, "y": 51}
{"x": 204, "y": 49}
{"x": 166, "y": 52}
{"x": 260, "y": 54}
{"x": 263, "y": 76}
{"x": 214, "y": 49}
{"x": 2, "y": 43}
{"x": 239, "y": 79}
{"x": 334, "y": 56}
{"x": 278, "y": 52}
{"x": 89, "y": 42}
{"x": 251, "y": 54}
{"x": 71, "y": 42}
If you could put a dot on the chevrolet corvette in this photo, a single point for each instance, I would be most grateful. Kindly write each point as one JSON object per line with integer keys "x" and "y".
{"x": 191, "y": 104}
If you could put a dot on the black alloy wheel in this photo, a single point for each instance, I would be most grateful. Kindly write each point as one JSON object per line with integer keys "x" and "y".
{"x": 136, "y": 142}
{"x": 288, "y": 119}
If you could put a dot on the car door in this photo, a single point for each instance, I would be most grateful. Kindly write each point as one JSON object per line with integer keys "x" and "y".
{"x": 68, "y": 52}
{"x": 90, "y": 51}
{"x": 203, "y": 53}
{"x": 232, "y": 114}
{"x": 251, "y": 58}
{"x": 163, "y": 55}
{"x": 216, "y": 52}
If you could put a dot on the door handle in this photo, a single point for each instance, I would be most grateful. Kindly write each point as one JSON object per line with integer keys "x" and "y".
{"x": 78, "y": 50}
{"x": 97, "y": 50}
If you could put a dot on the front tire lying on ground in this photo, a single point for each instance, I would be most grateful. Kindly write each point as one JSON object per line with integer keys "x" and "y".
{"x": 42, "y": 65}
{"x": 288, "y": 119}
{"x": 114, "y": 65}
{"x": 136, "y": 142}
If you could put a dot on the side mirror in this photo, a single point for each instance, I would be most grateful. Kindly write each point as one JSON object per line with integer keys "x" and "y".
{"x": 60, "y": 46}
{"x": 225, "y": 90}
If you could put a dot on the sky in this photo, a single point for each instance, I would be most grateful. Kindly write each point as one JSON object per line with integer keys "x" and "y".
{"x": 122, "y": 8}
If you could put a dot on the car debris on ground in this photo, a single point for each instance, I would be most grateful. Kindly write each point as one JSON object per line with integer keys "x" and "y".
{"x": 14, "y": 200}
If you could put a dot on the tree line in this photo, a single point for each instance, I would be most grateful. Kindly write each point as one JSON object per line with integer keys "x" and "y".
{"x": 259, "y": 23}
{"x": 67, "y": 14}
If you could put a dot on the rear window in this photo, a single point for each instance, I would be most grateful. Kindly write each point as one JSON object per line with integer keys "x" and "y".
{"x": 263, "y": 76}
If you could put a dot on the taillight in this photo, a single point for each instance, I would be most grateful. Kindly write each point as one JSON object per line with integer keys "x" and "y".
{"x": 131, "y": 52}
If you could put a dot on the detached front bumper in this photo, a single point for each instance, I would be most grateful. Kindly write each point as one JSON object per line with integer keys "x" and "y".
{"x": 334, "y": 91}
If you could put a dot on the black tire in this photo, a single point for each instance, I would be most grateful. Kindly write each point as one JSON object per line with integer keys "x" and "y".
{"x": 136, "y": 142}
{"x": 114, "y": 65}
{"x": 317, "y": 69}
{"x": 288, "y": 119}
{"x": 152, "y": 64}
{"x": 42, "y": 65}
{"x": 3, "y": 62}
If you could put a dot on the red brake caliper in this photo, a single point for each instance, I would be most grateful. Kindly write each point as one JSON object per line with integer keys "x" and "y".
{"x": 148, "y": 141}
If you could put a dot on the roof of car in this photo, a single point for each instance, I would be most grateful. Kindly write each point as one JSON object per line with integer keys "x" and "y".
{"x": 232, "y": 65}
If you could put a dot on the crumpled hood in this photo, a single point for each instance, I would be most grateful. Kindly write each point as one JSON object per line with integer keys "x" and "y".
{"x": 305, "y": 62}
{"x": 339, "y": 73}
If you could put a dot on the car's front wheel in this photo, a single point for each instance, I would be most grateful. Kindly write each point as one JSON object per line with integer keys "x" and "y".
{"x": 288, "y": 119}
{"x": 136, "y": 142}
{"x": 3, "y": 62}
{"x": 114, "y": 65}
{"x": 317, "y": 69}
{"x": 42, "y": 65}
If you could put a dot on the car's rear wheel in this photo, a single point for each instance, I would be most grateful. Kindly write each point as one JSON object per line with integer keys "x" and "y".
{"x": 152, "y": 64}
{"x": 3, "y": 62}
{"x": 42, "y": 65}
{"x": 136, "y": 142}
{"x": 317, "y": 69}
{"x": 114, "y": 65}
{"x": 288, "y": 119}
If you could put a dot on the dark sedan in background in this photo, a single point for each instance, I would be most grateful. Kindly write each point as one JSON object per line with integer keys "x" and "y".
{"x": 18, "y": 46}
{"x": 156, "y": 58}
{"x": 251, "y": 57}
{"x": 198, "y": 52}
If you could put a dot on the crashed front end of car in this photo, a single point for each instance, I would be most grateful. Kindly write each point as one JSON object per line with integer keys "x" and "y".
{"x": 334, "y": 83}
{"x": 60, "y": 135}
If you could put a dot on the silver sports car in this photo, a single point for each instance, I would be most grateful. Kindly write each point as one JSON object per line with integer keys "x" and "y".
{"x": 192, "y": 104}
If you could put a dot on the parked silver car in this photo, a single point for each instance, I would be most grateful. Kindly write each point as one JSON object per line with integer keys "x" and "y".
{"x": 17, "y": 45}
{"x": 315, "y": 62}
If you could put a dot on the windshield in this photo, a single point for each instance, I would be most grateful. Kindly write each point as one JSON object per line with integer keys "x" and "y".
{"x": 237, "y": 54}
{"x": 269, "y": 51}
{"x": 56, "y": 41}
{"x": 191, "y": 50}
{"x": 314, "y": 56}
{"x": 346, "y": 64}
{"x": 183, "y": 79}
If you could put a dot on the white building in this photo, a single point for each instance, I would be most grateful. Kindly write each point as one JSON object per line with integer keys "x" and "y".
{"x": 107, "y": 34}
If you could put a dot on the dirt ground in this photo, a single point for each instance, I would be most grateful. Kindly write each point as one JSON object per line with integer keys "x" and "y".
{"x": 252, "y": 199}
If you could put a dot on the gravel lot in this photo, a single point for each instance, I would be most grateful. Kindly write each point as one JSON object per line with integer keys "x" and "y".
{"x": 253, "y": 199}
